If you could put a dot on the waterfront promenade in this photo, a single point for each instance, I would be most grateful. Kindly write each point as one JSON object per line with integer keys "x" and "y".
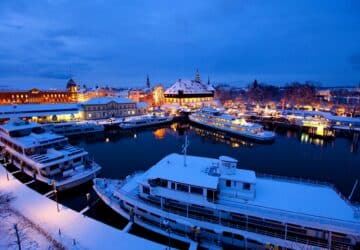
{"x": 69, "y": 228}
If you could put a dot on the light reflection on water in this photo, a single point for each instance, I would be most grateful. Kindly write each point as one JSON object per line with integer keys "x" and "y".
{"x": 293, "y": 153}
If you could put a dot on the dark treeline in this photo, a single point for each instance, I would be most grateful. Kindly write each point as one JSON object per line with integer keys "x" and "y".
{"x": 294, "y": 93}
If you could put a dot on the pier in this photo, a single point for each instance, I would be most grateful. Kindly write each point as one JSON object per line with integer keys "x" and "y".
{"x": 75, "y": 228}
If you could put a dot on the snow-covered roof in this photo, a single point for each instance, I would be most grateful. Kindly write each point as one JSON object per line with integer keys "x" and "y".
{"x": 190, "y": 87}
{"x": 33, "y": 139}
{"x": 194, "y": 173}
{"x": 106, "y": 100}
{"x": 17, "y": 124}
{"x": 197, "y": 171}
{"x": 18, "y": 108}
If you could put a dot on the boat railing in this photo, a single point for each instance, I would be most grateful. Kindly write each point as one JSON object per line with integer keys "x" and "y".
{"x": 313, "y": 182}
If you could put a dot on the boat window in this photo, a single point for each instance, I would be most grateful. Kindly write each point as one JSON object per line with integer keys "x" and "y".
{"x": 53, "y": 167}
{"x": 182, "y": 187}
{"x": 246, "y": 186}
{"x": 158, "y": 182}
{"x": 172, "y": 185}
{"x": 146, "y": 190}
{"x": 77, "y": 159}
{"x": 196, "y": 190}
{"x": 228, "y": 183}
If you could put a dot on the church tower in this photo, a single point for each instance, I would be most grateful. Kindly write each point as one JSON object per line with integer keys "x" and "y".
{"x": 147, "y": 82}
{"x": 197, "y": 76}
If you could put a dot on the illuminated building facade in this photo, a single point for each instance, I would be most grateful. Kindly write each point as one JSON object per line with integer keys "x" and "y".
{"x": 190, "y": 92}
{"x": 37, "y": 96}
{"x": 142, "y": 95}
{"x": 105, "y": 107}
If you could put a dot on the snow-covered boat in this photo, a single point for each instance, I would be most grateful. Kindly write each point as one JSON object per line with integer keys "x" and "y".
{"x": 46, "y": 156}
{"x": 213, "y": 202}
{"x": 144, "y": 120}
{"x": 214, "y": 119}
{"x": 74, "y": 128}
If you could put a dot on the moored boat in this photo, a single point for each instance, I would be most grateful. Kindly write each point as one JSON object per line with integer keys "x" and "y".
{"x": 46, "y": 156}
{"x": 213, "y": 202}
{"x": 231, "y": 124}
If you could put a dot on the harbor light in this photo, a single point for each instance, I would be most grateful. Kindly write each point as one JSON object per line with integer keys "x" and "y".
{"x": 107, "y": 139}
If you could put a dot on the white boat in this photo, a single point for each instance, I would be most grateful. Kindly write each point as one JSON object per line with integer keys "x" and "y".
{"x": 46, "y": 156}
{"x": 211, "y": 201}
{"x": 228, "y": 123}
{"x": 74, "y": 128}
{"x": 144, "y": 120}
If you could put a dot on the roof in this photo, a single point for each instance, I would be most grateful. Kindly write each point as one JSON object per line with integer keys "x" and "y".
{"x": 37, "y": 108}
{"x": 189, "y": 87}
{"x": 17, "y": 124}
{"x": 106, "y": 100}
{"x": 195, "y": 173}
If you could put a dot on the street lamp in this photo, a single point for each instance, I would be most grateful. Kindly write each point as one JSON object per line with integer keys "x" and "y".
{"x": 167, "y": 228}
{"x": 53, "y": 183}
{"x": 88, "y": 199}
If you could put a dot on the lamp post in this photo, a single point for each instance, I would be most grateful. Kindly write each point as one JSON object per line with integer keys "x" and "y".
{"x": 168, "y": 230}
{"x": 88, "y": 199}
{"x": 53, "y": 182}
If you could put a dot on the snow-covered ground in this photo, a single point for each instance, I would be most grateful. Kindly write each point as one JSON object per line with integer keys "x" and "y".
{"x": 40, "y": 224}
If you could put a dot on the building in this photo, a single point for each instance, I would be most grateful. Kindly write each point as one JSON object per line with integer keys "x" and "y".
{"x": 108, "y": 107}
{"x": 35, "y": 95}
{"x": 86, "y": 93}
{"x": 42, "y": 112}
{"x": 142, "y": 108}
{"x": 142, "y": 94}
{"x": 190, "y": 92}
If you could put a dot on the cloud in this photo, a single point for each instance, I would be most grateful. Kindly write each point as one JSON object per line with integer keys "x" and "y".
{"x": 123, "y": 41}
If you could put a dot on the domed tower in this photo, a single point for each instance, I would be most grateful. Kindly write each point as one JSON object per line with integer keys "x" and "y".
{"x": 71, "y": 86}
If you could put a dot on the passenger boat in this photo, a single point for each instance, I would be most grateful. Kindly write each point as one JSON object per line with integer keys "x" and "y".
{"x": 144, "y": 120}
{"x": 231, "y": 124}
{"x": 74, "y": 128}
{"x": 46, "y": 156}
{"x": 214, "y": 203}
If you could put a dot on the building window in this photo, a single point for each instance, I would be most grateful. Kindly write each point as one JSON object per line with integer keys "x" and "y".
{"x": 246, "y": 186}
{"x": 228, "y": 183}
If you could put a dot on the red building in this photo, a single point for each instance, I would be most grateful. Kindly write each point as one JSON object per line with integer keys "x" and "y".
{"x": 69, "y": 95}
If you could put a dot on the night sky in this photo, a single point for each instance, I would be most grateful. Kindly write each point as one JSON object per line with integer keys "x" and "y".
{"x": 118, "y": 43}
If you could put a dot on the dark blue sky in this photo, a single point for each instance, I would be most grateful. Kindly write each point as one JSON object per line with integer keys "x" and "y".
{"x": 119, "y": 42}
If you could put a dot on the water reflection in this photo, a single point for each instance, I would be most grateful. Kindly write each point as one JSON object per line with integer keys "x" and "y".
{"x": 222, "y": 137}
{"x": 306, "y": 138}
{"x": 160, "y": 133}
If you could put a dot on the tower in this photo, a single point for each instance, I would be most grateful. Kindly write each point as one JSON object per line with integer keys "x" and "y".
{"x": 208, "y": 80}
{"x": 197, "y": 76}
{"x": 147, "y": 82}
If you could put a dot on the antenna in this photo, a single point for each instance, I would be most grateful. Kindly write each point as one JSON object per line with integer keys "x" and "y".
{"x": 184, "y": 149}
